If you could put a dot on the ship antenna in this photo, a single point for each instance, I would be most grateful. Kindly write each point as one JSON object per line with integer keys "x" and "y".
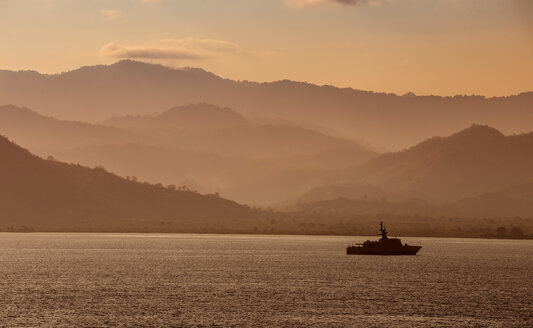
{"x": 382, "y": 230}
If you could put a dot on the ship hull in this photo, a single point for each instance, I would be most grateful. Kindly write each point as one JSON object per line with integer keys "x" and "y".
{"x": 406, "y": 250}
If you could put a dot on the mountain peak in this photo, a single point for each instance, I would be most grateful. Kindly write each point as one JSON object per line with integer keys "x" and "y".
{"x": 134, "y": 65}
{"x": 409, "y": 95}
{"x": 204, "y": 110}
{"x": 202, "y": 115}
{"x": 479, "y": 131}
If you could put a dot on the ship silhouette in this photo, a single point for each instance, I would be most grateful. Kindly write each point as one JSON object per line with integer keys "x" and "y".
{"x": 384, "y": 246}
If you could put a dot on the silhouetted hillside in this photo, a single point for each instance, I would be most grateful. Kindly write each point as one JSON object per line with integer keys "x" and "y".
{"x": 388, "y": 120}
{"x": 46, "y": 195}
{"x": 476, "y": 160}
{"x": 50, "y": 195}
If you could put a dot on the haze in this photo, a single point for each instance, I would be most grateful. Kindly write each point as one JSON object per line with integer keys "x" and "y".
{"x": 441, "y": 47}
{"x": 202, "y": 163}
{"x": 212, "y": 116}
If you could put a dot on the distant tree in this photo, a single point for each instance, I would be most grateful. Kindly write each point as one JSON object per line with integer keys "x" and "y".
{"x": 516, "y": 232}
{"x": 51, "y": 158}
{"x": 500, "y": 231}
{"x": 100, "y": 168}
{"x": 171, "y": 187}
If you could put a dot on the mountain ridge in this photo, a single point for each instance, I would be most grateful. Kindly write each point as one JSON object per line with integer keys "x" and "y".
{"x": 67, "y": 196}
{"x": 475, "y": 160}
{"x": 246, "y": 161}
{"x": 201, "y": 115}
{"x": 384, "y": 119}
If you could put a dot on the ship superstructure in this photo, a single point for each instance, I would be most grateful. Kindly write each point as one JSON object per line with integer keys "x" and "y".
{"x": 383, "y": 246}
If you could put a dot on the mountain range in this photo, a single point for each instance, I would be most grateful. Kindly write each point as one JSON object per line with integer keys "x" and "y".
{"x": 475, "y": 171}
{"x": 390, "y": 121}
{"x": 47, "y": 195}
{"x": 307, "y": 150}
{"x": 206, "y": 147}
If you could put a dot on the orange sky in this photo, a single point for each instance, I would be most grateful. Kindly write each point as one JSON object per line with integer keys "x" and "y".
{"x": 440, "y": 47}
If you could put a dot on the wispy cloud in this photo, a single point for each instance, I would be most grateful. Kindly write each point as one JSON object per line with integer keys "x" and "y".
{"x": 184, "y": 49}
{"x": 307, "y": 3}
{"x": 111, "y": 14}
{"x": 115, "y": 50}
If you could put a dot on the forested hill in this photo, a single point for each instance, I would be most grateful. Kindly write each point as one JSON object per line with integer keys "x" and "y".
{"x": 51, "y": 195}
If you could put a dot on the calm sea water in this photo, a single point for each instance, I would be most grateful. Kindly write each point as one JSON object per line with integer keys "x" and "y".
{"x": 184, "y": 280}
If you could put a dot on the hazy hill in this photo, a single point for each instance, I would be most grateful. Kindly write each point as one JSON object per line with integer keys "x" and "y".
{"x": 346, "y": 206}
{"x": 197, "y": 116}
{"x": 209, "y": 128}
{"x": 128, "y": 87}
{"x": 257, "y": 141}
{"x": 354, "y": 191}
{"x": 252, "y": 163}
{"x": 52, "y": 195}
{"x": 229, "y": 138}
{"x": 258, "y": 182}
{"x": 41, "y": 133}
{"x": 99, "y": 92}
{"x": 476, "y": 160}
{"x": 47, "y": 195}
{"x": 205, "y": 172}
{"x": 510, "y": 201}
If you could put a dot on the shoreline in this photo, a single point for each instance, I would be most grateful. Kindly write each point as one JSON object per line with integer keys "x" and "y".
{"x": 527, "y": 237}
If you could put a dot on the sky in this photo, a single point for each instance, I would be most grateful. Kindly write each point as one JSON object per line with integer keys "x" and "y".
{"x": 441, "y": 47}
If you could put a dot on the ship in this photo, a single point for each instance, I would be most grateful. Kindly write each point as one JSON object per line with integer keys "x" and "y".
{"x": 384, "y": 246}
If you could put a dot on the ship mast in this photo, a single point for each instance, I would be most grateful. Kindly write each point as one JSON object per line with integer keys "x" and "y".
{"x": 382, "y": 230}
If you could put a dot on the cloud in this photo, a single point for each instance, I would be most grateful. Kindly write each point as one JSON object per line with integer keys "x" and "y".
{"x": 111, "y": 14}
{"x": 184, "y": 49}
{"x": 307, "y": 3}
{"x": 115, "y": 50}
